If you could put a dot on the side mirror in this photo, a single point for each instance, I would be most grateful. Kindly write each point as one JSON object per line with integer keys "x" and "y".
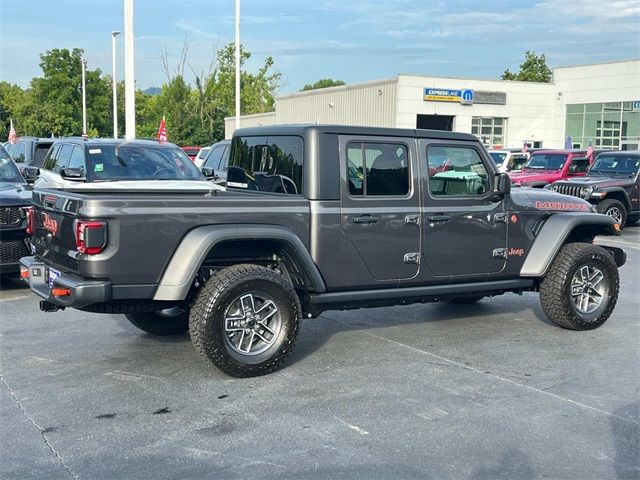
{"x": 74, "y": 174}
{"x": 209, "y": 173}
{"x": 503, "y": 187}
{"x": 31, "y": 174}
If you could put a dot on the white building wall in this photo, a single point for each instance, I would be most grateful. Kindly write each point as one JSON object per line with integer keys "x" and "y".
{"x": 246, "y": 121}
{"x": 529, "y": 108}
{"x": 370, "y": 104}
{"x": 600, "y": 83}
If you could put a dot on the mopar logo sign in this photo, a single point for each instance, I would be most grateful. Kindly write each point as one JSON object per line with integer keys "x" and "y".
{"x": 464, "y": 97}
{"x": 467, "y": 97}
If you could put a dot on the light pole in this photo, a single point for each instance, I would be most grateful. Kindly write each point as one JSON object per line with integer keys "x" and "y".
{"x": 129, "y": 75}
{"x": 84, "y": 99}
{"x": 237, "y": 64}
{"x": 114, "y": 34}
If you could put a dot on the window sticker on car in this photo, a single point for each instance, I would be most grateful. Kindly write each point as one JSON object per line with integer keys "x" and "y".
{"x": 237, "y": 184}
{"x": 99, "y": 167}
{"x": 95, "y": 150}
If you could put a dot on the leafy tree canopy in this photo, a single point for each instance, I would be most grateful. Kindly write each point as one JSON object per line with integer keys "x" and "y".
{"x": 533, "y": 69}
{"x": 323, "y": 83}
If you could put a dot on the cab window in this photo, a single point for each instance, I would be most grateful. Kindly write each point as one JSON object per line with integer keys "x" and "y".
{"x": 267, "y": 164}
{"x": 377, "y": 169}
{"x": 456, "y": 171}
{"x": 50, "y": 160}
{"x": 77, "y": 159}
{"x": 19, "y": 152}
{"x": 63, "y": 158}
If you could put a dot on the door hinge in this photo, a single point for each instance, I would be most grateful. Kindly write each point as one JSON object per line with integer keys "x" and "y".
{"x": 500, "y": 218}
{"x": 500, "y": 253}
{"x": 412, "y": 258}
{"x": 412, "y": 219}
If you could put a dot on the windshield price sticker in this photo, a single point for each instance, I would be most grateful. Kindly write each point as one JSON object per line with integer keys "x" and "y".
{"x": 95, "y": 150}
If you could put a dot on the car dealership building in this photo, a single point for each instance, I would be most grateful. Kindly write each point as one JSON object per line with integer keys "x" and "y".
{"x": 597, "y": 103}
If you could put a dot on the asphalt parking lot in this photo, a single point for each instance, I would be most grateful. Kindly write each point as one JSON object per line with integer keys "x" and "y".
{"x": 426, "y": 391}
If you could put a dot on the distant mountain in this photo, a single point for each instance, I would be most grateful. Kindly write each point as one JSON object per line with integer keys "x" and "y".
{"x": 152, "y": 91}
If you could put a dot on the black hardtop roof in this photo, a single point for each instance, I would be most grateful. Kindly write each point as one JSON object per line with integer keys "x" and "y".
{"x": 37, "y": 139}
{"x": 626, "y": 153}
{"x": 561, "y": 150}
{"x": 351, "y": 130}
{"x": 114, "y": 142}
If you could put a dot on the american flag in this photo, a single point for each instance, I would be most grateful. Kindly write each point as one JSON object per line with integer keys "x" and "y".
{"x": 590, "y": 149}
{"x": 162, "y": 131}
{"x": 525, "y": 147}
{"x": 12, "y": 133}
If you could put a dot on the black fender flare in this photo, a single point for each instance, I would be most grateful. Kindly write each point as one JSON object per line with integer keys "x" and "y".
{"x": 618, "y": 191}
{"x": 181, "y": 271}
{"x": 553, "y": 235}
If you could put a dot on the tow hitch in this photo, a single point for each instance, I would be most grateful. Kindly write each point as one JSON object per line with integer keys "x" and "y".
{"x": 49, "y": 307}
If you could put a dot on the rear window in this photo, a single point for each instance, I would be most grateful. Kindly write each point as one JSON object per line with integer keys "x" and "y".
{"x": 135, "y": 162}
{"x": 266, "y": 164}
{"x": 41, "y": 154}
{"x": 553, "y": 161}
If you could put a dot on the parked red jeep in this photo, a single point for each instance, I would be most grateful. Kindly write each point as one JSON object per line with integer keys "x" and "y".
{"x": 547, "y": 166}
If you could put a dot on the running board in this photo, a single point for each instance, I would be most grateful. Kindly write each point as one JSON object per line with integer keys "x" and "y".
{"x": 317, "y": 303}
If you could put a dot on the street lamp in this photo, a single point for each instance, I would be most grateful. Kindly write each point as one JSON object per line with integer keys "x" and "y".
{"x": 237, "y": 64}
{"x": 114, "y": 34}
{"x": 84, "y": 99}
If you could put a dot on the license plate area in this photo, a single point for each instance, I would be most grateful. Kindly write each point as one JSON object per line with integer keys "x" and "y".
{"x": 53, "y": 274}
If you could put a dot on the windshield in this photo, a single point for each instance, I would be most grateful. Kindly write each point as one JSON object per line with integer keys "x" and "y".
{"x": 498, "y": 157}
{"x": 8, "y": 171}
{"x": 110, "y": 163}
{"x": 616, "y": 164}
{"x": 552, "y": 161}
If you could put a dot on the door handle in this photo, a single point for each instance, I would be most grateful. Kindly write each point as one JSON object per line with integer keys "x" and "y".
{"x": 366, "y": 219}
{"x": 438, "y": 218}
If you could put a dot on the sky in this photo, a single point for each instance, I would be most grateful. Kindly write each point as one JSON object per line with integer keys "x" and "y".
{"x": 350, "y": 40}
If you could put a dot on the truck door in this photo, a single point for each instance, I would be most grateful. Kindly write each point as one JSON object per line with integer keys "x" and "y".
{"x": 465, "y": 233}
{"x": 380, "y": 204}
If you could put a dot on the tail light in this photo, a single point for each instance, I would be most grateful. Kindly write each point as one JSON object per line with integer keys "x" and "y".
{"x": 31, "y": 220}
{"x": 91, "y": 236}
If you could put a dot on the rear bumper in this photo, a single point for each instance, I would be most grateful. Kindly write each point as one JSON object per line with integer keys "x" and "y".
{"x": 82, "y": 292}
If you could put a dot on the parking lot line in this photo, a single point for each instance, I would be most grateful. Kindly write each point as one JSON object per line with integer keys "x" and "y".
{"x": 503, "y": 379}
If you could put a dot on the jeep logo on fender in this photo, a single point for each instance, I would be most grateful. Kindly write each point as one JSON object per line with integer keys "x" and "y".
{"x": 561, "y": 206}
{"x": 49, "y": 224}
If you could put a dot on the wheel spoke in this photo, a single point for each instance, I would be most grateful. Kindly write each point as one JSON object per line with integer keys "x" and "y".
{"x": 269, "y": 309}
{"x": 248, "y": 305}
{"x": 267, "y": 328}
{"x": 252, "y": 323}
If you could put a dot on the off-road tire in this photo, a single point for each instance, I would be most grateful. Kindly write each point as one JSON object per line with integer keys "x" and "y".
{"x": 156, "y": 323}
{"x": 466, "y": 300}
{"x": 606, "y": 207}
{"x": 555, "y": 288}
{"x": 207, "y": 319}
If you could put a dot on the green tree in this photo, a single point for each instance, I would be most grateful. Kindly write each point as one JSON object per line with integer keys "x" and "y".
{"x": 323, "y": 83}
{"x": 12, "y": 100}
{"x": 533, "y": 69}
{"x": 57, "y": 96}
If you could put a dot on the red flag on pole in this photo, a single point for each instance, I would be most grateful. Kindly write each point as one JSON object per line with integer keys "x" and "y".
{"x": 162, "y": 131}
{"x": 590, "y": 149}
{"x": 12, "y": 133}
{"x": 525, "y": 147}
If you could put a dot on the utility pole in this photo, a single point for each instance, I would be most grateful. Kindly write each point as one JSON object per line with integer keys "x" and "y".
{"x": 114, "y": 34}
{"x": 237, "y": 64}
{"x": 129, "y": 75}
{"x": 84, "y": 98}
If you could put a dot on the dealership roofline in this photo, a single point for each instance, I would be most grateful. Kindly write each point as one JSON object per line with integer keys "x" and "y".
{"x": 628, "y": 60}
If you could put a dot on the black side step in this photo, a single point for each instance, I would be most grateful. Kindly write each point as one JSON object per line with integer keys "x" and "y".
{"x": 401, "y": 296}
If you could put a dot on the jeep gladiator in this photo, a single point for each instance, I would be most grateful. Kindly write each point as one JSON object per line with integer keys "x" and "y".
{"x": 317, "y": 218}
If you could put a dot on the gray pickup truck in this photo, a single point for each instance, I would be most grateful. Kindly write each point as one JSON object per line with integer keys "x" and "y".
{"x": 319, "y": 218}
